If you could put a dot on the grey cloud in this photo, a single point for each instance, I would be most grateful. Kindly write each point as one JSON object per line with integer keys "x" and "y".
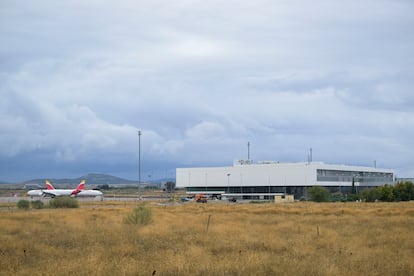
{"x": 201, "y": 79}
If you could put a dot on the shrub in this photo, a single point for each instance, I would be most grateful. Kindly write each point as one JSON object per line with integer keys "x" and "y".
{"x": 386, "y": 192}
{"x": 352, "y": 197}
{"x": 104, "y": 187}
{"x": 23, "y": 204}
{"x": 319, "y": 194}
{"x": 403, "y": 191}
{"x": 336, "y": 197}
{"x": 37, "y": 204}
{"x": 140, "y": 216}
{"x": 63, "y": 202}
{"x": 370, "y": 195}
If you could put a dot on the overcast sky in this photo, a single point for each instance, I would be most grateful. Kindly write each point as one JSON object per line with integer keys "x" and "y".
{"x": 200, "y": 79}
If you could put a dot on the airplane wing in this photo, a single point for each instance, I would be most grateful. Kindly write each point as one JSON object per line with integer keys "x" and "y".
{"x": 49, "y": 193}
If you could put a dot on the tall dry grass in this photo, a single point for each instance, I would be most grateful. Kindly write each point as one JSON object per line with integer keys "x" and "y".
{"x": 211, "y": 239}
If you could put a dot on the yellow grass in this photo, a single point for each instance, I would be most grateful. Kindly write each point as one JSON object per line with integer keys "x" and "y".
{"x": 211, "y": 239}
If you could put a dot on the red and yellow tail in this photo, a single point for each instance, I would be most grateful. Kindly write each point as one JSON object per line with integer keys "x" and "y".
{"x": 81, "y": 185}
{"x": 79, "y": 188}
{"x": 49, "y": 186}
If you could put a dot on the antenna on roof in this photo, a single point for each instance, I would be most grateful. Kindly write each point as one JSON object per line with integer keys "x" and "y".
{"x": 248, "y": 151}
{"x": 310, "y": 156}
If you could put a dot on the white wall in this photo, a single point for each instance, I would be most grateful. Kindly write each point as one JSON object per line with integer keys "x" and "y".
{"x": 248, "y": 175}
{"x": 275, "y": 174}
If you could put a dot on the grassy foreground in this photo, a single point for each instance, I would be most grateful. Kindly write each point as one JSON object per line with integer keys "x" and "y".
{"x": 211, "y": 239}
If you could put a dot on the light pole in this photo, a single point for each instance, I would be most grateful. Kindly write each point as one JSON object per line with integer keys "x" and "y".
{"x": 139, "y": 164}
{"x": 228, "y": 183}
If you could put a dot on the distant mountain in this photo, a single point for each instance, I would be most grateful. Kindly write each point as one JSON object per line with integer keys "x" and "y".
{"x": 96, "y": 178}
{"x": 92, "y": 178}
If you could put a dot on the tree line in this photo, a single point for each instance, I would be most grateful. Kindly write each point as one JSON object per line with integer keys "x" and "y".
{"x": 402, "y": 191}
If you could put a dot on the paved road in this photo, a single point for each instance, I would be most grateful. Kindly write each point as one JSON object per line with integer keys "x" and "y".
{"x": 15, "y": 199}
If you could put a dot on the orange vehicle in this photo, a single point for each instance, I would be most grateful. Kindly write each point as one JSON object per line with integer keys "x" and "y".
{"x": 201, "y": 198}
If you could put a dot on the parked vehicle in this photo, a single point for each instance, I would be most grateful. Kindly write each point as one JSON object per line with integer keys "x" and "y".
{"x": 201, "y": 198}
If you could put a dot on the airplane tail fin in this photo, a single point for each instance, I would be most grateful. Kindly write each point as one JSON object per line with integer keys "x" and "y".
{"x": 81, "y": 185}
{"x": 49, "y": 185}
{"x": 78, "y": 189}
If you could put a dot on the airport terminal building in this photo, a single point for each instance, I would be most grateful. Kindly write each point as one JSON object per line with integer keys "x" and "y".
{"x": 265, "y": 180}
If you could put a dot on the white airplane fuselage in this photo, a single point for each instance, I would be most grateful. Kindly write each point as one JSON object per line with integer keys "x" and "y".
{"x": 35, "y": 193}
{"x": 58, "y": 192}
{"x": 64, "y": 192}
{"x": 91, "y": 193}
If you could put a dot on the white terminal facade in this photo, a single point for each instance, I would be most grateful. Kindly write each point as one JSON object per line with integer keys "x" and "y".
{"x": 264, "y": 180}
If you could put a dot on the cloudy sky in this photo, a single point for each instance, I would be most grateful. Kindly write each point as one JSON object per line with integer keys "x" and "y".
{"x": 200, "y": 79}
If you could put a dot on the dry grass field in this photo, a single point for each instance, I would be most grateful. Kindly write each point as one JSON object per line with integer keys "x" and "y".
{"x": 211, "y": 239}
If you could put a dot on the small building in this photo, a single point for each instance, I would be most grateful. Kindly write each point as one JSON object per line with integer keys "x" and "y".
{"x": 265, "y": 180}
{"x": 284, "y": 199}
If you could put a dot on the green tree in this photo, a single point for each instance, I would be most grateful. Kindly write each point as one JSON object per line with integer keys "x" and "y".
{"x": 352, "y": 197}
{"x": 104, "y": 187}
{"x": 319, "y": 194}
{"x": 338, "y": 196}
{"x": 353, "y": 191}
{"x": 386, "y": 192}
{"x": 370, "y": 195}
{"x": 404, "y": 191}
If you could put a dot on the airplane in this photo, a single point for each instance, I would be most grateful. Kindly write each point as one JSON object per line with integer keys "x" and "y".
{"x": 63, "y": 192}
{"x": 52, "y": 192}
{"x": 33, "y": 193}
